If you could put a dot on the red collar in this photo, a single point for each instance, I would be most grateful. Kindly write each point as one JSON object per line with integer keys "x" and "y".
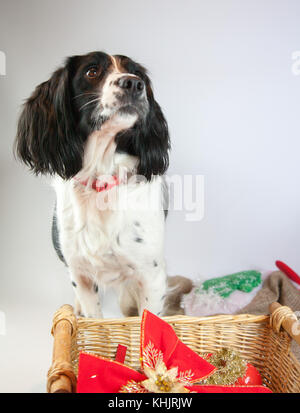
{"x": 100, "y": 186}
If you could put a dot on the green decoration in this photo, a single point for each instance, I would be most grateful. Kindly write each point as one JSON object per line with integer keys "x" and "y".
{"x": 223, "y": 286}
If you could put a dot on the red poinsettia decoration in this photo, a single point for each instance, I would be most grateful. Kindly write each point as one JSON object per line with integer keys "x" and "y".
{"x": 167, "y": 366}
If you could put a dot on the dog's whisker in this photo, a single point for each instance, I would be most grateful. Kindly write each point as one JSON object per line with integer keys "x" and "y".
{"x": 86, "y": 94}
{"x": 88, "y": 103}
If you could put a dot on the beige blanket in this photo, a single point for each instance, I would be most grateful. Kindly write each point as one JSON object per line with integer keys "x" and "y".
{"x": 277, "y": 287}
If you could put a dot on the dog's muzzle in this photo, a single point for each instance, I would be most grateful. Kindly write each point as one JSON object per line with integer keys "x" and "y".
{"x": 132, "y": 86}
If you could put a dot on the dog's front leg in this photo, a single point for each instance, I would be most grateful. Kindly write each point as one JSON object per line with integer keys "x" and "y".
{"x": 153, "y": 291}
{"x": 86, "y": 291}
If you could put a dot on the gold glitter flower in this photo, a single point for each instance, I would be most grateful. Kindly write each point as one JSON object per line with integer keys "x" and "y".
{"x": 162, "y": 380}
{"x": 230, "y": 367}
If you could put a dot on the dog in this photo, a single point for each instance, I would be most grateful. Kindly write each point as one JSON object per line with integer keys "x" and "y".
{"x": 97, "y": 129}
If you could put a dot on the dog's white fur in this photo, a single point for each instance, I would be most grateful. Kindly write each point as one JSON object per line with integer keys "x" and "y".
{"x": 121, "y": 246}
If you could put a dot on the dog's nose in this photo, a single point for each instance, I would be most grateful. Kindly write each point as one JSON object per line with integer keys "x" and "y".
{"x": 132, "y": 85}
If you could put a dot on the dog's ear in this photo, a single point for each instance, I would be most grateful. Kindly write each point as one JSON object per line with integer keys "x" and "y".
{"x": 154, "y": 143}
{"x": 148, "y": 140}
{"x": 47, "y": 139}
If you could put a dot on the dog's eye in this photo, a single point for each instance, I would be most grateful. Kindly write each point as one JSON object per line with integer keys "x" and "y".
{"x": 93, "y": 72}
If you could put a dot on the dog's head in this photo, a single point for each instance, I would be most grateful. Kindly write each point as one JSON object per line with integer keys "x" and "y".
{"x": 77, "y": 100}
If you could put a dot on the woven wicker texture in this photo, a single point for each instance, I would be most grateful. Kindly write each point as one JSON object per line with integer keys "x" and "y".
{"x": 253, "y": 336}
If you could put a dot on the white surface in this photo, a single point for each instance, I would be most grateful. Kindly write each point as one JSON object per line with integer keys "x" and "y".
{"x": 222, "y": 72}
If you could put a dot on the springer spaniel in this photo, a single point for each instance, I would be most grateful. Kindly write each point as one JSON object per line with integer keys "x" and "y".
{"x": 96, "y": 127}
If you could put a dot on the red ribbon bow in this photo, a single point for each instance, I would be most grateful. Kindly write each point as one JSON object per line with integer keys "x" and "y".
{"x": 167, "y": 365}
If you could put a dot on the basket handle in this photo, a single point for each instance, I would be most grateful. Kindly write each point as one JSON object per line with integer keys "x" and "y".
{"x": 283, "y": 316}
{"x": 61, "y": 376}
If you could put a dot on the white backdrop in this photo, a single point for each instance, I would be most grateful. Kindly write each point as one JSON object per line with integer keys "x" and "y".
{"x": 222, "y": 72}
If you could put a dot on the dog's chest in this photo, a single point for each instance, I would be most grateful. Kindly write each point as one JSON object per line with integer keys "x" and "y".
{"x": 108, "y": 240}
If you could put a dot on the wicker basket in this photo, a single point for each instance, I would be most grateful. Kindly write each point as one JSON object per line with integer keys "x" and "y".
{"x": 259, "y": 339}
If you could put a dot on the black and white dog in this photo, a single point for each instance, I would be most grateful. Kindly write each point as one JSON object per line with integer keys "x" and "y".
{"x": 96, "y": 127}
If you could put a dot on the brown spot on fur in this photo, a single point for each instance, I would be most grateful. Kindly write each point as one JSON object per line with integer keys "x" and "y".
{"x": 132, "y": 312}
{"x": 86, "y": 282}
